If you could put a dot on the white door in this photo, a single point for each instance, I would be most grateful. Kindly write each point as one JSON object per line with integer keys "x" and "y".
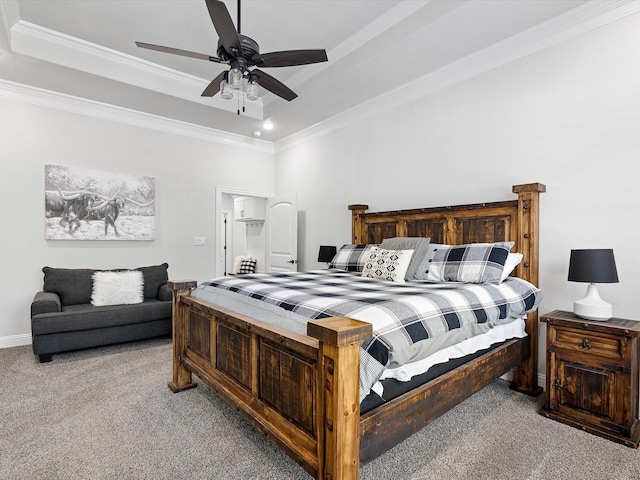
{"x": 282, "y": 234}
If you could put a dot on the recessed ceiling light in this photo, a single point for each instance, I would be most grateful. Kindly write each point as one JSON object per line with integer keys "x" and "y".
{"x": 257, "y": 133}
{"x": 267, "y": 125}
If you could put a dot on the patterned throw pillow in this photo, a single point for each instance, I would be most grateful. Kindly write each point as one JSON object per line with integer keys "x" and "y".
{"x": 473, "y": 263}
{"x": 247, "y": 266}
{"x": 352, "y": 257}
{"x": 390, "y": 265}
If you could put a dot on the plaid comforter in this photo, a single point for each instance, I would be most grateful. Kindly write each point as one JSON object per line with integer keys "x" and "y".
{"x": 403, "y": 315}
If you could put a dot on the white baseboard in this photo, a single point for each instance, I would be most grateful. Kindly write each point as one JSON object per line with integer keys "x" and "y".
{"x": 542, "y": 379}
{"x": 15, "y": 340}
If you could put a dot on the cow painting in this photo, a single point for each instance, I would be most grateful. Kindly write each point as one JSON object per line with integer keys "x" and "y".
{"x": 82, "y": 205}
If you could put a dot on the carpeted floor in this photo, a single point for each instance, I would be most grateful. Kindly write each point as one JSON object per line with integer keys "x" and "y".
{"x": 107, "y": 413}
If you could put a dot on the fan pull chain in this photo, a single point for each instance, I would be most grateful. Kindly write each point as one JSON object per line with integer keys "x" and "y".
{"x": 238, "y": 103}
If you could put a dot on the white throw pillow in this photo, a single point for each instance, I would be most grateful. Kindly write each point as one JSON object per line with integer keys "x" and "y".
{"x": 117, "y": 288}
{"x": 390, "y": 265}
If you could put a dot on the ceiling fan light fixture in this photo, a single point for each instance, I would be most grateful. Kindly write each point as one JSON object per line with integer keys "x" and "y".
{"x": 225, "y": 90}
{"x": 235, "y": 78}
{"x": 253, "y": 89}
{"x": 242, "y": 53}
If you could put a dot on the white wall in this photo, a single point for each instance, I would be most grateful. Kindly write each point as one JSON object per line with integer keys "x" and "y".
{"x": 567, "y": 116}
{"x": 186, "y": 172}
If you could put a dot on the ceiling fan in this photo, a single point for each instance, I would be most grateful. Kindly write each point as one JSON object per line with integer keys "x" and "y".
{"x": 242, "y": 54}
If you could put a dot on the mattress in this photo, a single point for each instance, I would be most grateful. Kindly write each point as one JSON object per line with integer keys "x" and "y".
{"x": 411, "y": 321}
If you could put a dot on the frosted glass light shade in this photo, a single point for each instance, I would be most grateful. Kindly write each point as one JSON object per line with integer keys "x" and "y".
{"x": 225, "y": 90}
{"x": 235, "y": 78}
{"x": 252, "y": 90}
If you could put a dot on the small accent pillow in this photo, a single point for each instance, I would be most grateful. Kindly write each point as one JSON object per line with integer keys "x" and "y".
{"x": 247, "y": 266}
{"x": 352, "y": 257}
{"x": 390, "y": 265}
{"x": 117, "y": 288}
{"x": 472, "y": 263}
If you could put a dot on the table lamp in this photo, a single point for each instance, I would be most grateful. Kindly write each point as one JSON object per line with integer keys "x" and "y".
{"x": 593, "y": 266}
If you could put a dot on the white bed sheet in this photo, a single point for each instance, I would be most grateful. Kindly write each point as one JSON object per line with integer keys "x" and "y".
{"x": 498, "y": 333}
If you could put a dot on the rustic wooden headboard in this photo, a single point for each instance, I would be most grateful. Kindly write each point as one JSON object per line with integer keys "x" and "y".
{"x": 512, "y": 220}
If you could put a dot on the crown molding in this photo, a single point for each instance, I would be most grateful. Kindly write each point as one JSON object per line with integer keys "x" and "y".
{"x": 10, "y": 11}
{"x": 81, "y": 106}
{"x": 52, "y": 46}
{"x": 575, "y": 22}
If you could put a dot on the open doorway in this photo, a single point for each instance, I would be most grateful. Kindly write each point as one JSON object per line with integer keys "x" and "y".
{"x": 240, "y": 217}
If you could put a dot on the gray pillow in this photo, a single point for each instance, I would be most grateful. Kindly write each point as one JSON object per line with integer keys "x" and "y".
{"x": 73, "y": 285}
{"x": 419, "y": 260}
{"x": 154, "y": 277}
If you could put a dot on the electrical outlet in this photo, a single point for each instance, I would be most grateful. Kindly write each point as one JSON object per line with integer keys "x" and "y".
{"x": 198, "y": 241}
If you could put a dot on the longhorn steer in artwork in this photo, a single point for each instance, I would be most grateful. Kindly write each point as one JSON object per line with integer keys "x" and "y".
{"x": 76, "y": 207}
{"x": 110, "y": 208}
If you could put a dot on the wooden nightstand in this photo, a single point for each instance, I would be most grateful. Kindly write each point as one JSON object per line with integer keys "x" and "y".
{"x": 592, "y": 375}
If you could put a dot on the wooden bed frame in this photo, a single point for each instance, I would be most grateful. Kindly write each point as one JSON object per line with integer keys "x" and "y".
{"x": 302, "y": 391}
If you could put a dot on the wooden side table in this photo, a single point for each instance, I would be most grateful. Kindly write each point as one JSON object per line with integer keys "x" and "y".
{"x": 592, "y": 375}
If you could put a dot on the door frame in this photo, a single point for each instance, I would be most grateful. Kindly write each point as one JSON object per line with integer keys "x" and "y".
{"x": 218, "y": 264}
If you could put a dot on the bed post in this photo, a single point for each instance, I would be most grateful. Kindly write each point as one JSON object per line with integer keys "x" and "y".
{"x": 357, "y": 233}
{"x": 339, "y": 399}
{"x": 526, "y": 375}
{"x": 180, "y": 313}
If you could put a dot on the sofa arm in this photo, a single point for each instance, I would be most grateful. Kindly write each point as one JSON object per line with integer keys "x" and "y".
{"x": 45, "y": 302}
{"x": 165, "y": 293}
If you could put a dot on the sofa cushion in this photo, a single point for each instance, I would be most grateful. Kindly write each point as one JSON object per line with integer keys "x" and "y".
{"x": 154, "y": 277}
{"x": 73, "y": 285}
{"x": 87, "y": 317}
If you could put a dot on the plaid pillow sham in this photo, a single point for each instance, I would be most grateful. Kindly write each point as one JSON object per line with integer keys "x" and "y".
{"x": 352, "y": 258}
{"x": 473, "y": 263}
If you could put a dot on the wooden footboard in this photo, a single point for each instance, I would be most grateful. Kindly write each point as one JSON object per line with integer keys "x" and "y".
{"x": 300, "y": 391}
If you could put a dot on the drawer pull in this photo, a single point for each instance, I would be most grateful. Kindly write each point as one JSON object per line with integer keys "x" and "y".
{"x": 586, "y": 344}
{"x": 557, "y": 384}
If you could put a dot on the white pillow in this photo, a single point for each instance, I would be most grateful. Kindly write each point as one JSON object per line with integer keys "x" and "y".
{"x": 117, "y": 288}
{"x": 390, "y": 265}
{"x": 513, "y": 260}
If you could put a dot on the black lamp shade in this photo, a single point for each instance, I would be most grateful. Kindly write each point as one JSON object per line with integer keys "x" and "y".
{"x": 593, "y": 266}
{"x": 326, "y": 253}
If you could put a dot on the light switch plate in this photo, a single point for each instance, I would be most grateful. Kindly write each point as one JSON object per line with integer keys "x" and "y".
{"x": 198, "y": 241}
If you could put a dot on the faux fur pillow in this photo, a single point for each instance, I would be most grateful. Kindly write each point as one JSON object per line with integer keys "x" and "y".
{"x": 117, "y": 288}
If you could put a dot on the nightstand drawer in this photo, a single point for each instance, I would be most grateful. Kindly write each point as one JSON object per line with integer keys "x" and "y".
{"x": 589, "y": 343}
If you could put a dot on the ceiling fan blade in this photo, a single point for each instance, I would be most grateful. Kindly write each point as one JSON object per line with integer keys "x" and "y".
{"x": 289, "y": 58}
{"x": 224, "y": 26}
{"x": 274, "y": 86}
{"x": 178, "y": 51}
{"x": 214, "y": 86}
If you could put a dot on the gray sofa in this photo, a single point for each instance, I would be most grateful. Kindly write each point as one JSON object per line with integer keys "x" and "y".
{"x": 63, "y": 318}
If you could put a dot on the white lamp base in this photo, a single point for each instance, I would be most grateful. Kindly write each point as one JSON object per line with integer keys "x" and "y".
{"x": 592, "y": 307}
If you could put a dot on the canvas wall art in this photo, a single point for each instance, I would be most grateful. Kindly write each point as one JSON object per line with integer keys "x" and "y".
{"x": 94, "y": 205}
